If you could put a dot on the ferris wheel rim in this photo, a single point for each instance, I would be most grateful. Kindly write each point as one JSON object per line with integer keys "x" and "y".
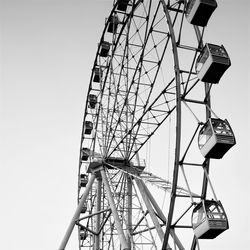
{"x": 178, "y": 112}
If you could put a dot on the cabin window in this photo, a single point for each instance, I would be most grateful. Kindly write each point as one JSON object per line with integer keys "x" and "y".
{"x": 190, "y": 5}
{"x": 198, "y": 217}
{"x": 221, "y": 128}
{"x": 122, "y": 5}
{"x": 205, "y": 134}
{"x": 202, "y": 59}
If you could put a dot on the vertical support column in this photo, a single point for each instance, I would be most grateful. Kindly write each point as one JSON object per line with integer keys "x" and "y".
{"x": 129, "y": 209}
{"x": 123, "y": 241}
{"x": 98, "y": 208}
{"x": 77, "y": 213}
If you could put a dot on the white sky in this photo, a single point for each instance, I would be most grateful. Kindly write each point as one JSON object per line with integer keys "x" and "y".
{"x": 47, "y": 52}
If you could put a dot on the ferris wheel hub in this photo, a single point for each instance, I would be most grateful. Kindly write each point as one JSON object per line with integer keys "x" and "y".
{"x": 116, "y": 163}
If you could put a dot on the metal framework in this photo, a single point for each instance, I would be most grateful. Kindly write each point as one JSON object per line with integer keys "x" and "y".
{"x": 146, "y": 109}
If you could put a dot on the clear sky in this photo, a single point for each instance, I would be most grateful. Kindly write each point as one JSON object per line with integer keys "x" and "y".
{"x": 47, "y": 48}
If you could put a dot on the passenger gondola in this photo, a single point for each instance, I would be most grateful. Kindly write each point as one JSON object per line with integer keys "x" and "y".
{"x": 198, "y": 12}
{"x": 83, "y": 180}
{"x": 209, "y": 219}
{"x": 113, "y": 24}
{"x": 215, "y": 138}
{"x": 92, "y": 99}
{"x": 88, "y": 127}
{"x": 84, "y": 208}
{"x": 122, "y": 5}
{"x": 83, "y": 233}
{"x": 104, "y": 49}
{"x": 212, "y": 63}
{"x": 97, "y": 74}
{"x": 85, "y": 152}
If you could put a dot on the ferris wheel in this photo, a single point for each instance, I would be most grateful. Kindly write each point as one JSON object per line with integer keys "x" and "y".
{"x": 149, "y": 131}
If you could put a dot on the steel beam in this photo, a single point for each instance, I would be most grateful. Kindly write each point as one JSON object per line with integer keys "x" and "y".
{"x": 150, "y": 209}
{"x": 129, "y": 210}
{"x": 123, "y": 241}
{"x": 98, "y": 208}
{"x": 77, "y": 213}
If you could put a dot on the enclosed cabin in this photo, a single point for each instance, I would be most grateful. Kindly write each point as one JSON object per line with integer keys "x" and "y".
{"x": 215, "y": 138}
{"x": 88, "y": 127}
{"x": 92, "y": 100}
{"x": 83, "y": 233}
{"x": 209, "y": 219}
{"x": 212, "y": 62}
{"x": 104, "y": 48}
{"x": 84, "y": 208}
{"x": 85, "y": 152}
{"x": 122, "y": 5}
{"x": 83, "y": 180}
{"x": 113, "y": 22}
{"x": 198, "y": 12}
{"x": 97, "y": 74}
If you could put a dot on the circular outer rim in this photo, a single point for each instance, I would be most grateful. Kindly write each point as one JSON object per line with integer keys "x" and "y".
{"x": 178, "y": 118}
